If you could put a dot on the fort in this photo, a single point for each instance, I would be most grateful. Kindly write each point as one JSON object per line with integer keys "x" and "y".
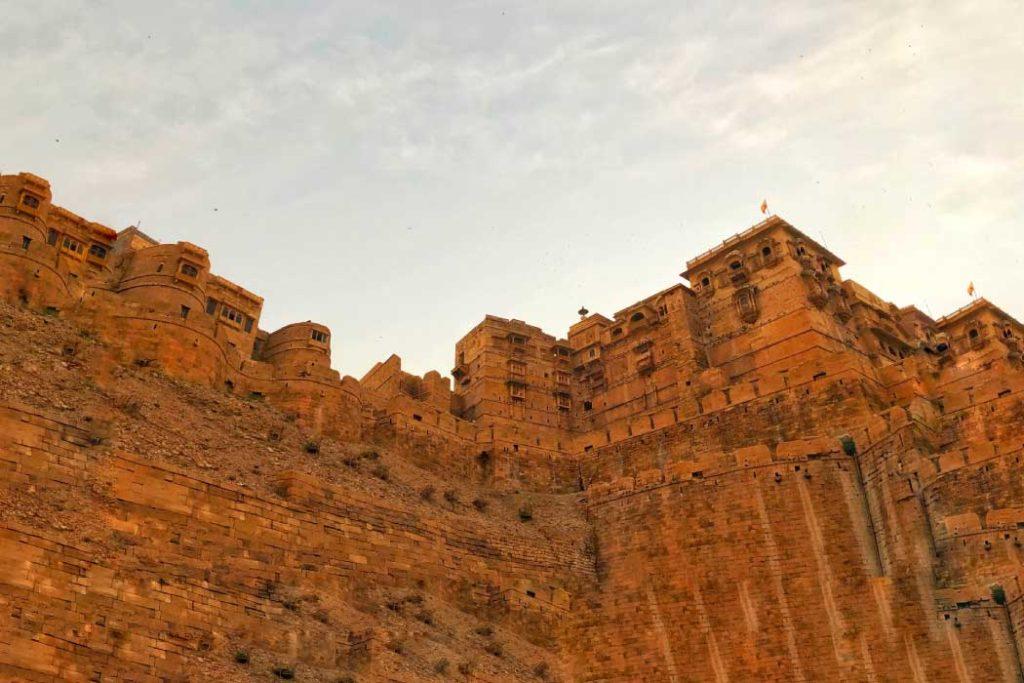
{"x": 768, "y": 473}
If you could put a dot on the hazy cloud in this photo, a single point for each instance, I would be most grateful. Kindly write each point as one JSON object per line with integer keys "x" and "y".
{"x": 398, "y": 169}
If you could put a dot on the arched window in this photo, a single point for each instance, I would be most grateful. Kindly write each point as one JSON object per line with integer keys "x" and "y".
{"x": 636, "y": 317}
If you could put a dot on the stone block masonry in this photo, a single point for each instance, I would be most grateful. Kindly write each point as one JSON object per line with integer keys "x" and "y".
{"x": 768, "y": 473}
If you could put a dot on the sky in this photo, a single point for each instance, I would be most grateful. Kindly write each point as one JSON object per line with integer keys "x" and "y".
{"x": 397, "y": 170}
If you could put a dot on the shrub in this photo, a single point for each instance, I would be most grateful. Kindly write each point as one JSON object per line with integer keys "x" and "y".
{"x": 427, "y": 493}
{"x": 370, "y": 455}
{"x": 311, "y": 446}
{"x": 525, "y": 513}
{"x": 451, "y": 496}
{"x": 998, "y": 594}
{"x": 493, "y": 648}
{"x": 441, "y": 666}
{"x": 347, "y": 679}
{"x": 426, "y": 617}
{"x": 132, "y": 408}
{"x": 242, "y": 657}
{"x": 849, "y": 446}
{"x": 382, "y": 472}
{"x": 284, "y": 672}
{"x": 541, "y": 671}
{"x": 465, "y": 668}
{"x": 485, "y": 631}
{"x": 397, "y": 646}
{"x": 480, "y": 504}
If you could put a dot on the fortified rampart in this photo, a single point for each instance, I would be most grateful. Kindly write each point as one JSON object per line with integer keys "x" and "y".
{"x": 787, "y": 477}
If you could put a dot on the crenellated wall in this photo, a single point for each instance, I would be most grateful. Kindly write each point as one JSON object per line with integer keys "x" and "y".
{"x": 786, "y": 477}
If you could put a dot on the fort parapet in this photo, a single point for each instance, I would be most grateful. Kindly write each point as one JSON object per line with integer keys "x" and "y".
{"x": 789, "y": 477}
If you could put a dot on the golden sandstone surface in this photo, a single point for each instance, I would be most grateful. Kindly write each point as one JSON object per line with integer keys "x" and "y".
{"x": 771, "y": 474}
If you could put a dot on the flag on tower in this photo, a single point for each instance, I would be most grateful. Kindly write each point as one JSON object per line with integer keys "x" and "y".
{"x": 764, "y": 206}
{"x": 970, "y": 288}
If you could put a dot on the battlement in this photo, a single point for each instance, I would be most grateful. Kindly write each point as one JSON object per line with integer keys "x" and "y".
{"x": 743, "y": 238}
{"x": 765, "y": 306}
{"x": 772, "y": 474}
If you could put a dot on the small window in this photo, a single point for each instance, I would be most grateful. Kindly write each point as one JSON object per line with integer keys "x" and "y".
{"x": 248, "y": 324}
{"x": 160, "y": 268}
{"x": 1007, "y": 333}
{"x": 98, "y": 251}
{"x": 231, "y": 314}
{"x": 211, "y": 306}
{"x": 51, "y": 237}
{"x": 587, "y": 405}
{"x": 593, "y": 352}
{"x": 189, "y": 270}
{"x": 636, "y": 317}
{"x": 735, "y": 265}
{"x": 766, "y": 251}
{"x": 705, "y": 281}
{"x": 617, "y": 331}
{"x": 185, "y": 310}
{"x": 663, "y": 309}
{"x": 30, "y": 201}
{"x": 2, "y": 198}
{"x": 25, "y": 241}
{"x": 973, "y": 334}
{"x": 319, "y": 336}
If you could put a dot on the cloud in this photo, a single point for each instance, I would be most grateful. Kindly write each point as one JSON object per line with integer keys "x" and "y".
{"x": 426, "y": 163}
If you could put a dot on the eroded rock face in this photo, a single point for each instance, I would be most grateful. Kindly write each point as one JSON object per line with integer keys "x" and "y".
{"x": 772, "y": 474}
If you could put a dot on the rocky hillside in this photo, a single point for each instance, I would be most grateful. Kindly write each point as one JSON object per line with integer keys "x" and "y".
{"x": 160, "y": 530}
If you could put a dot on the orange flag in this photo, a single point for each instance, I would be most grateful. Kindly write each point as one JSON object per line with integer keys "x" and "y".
{"x": 764, "y": 206}
{"x": 970, "y": 289}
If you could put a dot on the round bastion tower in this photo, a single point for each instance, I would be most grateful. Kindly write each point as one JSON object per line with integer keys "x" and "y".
{"x": 167, "y": 279}
{"x": 29, "y": 264}
{"x": 299, "y": 350}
